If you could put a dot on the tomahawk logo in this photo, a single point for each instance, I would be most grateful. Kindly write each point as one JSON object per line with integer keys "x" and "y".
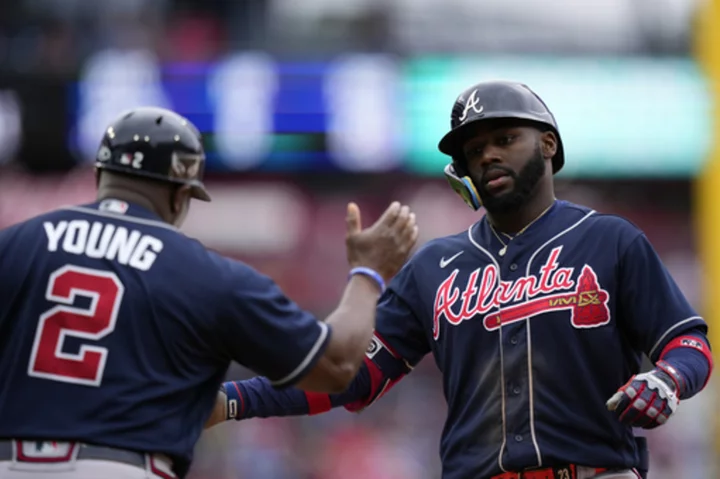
{"x": 496, "y": 302}
{"x": 471, "y": 104}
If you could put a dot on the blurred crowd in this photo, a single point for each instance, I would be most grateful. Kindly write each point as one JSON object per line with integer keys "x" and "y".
{"x": 292, "y": 228}
{"x": 54, "y": 36}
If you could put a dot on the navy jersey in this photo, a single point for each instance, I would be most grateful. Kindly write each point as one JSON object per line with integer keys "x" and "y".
{"x": 116, "y": 329}
{"x": 533, "y": 342}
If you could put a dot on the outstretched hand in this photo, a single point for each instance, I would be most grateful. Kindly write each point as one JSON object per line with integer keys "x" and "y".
{"x": 384, "y": 246}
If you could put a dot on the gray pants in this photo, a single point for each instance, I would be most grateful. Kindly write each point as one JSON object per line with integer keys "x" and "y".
{"x": 63, "y": 460}
{"x": 83, "y": 469}
{"x": 587, "y": 473}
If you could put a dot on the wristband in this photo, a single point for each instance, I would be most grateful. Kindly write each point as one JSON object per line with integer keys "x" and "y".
{"x": 235, "y": 403}
{"x": 677, "y": 382}
{"x": 374, "y": 275}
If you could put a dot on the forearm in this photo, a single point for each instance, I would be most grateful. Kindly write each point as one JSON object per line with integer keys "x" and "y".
{"x": 353, "y": 322}
{"x": 256, "y": 397}
{"x": 219, "y": 413}
{"x": 690, "y": 355}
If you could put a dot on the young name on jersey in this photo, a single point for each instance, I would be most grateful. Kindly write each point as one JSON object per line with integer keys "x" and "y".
{"x": 103, "y": 240}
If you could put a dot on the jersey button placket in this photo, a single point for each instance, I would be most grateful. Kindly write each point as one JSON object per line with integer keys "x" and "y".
{"x": 514, "y": 364}
{"x": 515, "y": 371}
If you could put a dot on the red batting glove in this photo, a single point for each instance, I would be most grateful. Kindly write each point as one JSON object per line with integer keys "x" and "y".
{"x": 648, "y": 400}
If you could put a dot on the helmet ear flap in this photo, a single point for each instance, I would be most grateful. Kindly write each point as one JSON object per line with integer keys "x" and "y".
{"x": 463, "y": 186}
{"x": 459, "y": 166}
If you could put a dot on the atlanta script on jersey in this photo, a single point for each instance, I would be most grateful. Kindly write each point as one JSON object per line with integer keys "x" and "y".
{"x": 532, "y": 343}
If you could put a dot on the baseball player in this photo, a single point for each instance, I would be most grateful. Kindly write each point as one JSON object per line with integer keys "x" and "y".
{"x": 113, "y": 324}
{"x": 537, "y": 317}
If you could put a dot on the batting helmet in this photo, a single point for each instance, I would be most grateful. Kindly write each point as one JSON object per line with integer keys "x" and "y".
{"x": 492, "y": 100}
{"x": 155, "y": 143}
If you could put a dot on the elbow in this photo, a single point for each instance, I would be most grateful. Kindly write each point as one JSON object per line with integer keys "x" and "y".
{"x": 329, "y": 377}
{"x": 335, "y": 388}
{"x": 337, "y": 379}
{"x": 340, "y": 381}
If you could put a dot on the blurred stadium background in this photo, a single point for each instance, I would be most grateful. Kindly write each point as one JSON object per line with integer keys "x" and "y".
{"x": 308, "y": 104}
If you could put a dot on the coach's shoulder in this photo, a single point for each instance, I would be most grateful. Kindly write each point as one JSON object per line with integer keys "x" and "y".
{"x": 233, "y": 272}
{"x": 26, "y": 231}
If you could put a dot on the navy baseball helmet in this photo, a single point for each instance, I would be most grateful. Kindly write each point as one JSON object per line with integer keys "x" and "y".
{"x": 155, "y": 143}
{"x": 492, "y": 100}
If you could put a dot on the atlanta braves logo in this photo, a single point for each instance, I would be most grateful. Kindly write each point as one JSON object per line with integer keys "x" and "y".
{"x": 471, "y": 104}
{"x": 553, "y": 290}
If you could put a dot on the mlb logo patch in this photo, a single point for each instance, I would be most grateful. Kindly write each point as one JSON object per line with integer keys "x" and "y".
{"x": 691, "y": 343}
{"x": 114, "y": 206}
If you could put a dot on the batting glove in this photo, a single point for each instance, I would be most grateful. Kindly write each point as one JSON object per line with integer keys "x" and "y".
{"x": 648, "y": 400}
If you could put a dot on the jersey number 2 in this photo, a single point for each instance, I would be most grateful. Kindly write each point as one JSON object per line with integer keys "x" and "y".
{"x": 105, "y": 292}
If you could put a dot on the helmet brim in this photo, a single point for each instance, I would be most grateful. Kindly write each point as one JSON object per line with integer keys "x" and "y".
{"x": 199, "y": 192}
{"x": 451, "y": 144}
{"x": 197, "y": 188}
